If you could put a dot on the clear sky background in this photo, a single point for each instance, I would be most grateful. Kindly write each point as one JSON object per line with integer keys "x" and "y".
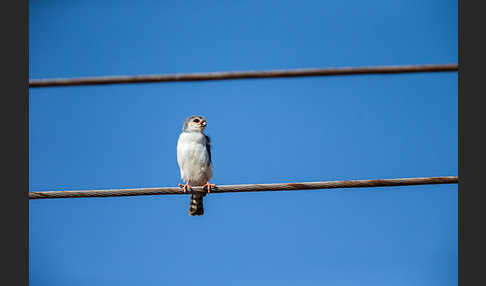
{"x": 263, "y": 131}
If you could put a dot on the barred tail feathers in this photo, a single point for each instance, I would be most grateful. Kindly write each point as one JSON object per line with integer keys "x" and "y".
{"x": 196, "y": 204}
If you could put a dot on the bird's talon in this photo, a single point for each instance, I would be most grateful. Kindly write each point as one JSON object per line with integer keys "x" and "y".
{"x": 208, "y": 186}
{"x": 185, "y": 187}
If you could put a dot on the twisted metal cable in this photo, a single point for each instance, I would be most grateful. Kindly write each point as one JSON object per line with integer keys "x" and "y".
{"x": 243, "y": 75}
{"x": 247, "y": 188}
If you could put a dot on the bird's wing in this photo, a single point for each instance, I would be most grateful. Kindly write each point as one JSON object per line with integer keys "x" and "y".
{"x": 208, "y": 148}
{"x": 180, "y": 160}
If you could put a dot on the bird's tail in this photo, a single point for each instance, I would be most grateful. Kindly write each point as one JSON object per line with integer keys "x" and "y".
{"x": 196, "y": 205}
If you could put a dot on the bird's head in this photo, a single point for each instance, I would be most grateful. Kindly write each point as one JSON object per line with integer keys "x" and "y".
{"x": 194, "y": 123}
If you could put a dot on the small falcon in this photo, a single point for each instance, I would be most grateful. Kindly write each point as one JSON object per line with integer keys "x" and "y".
{"x": 194, "y": 159}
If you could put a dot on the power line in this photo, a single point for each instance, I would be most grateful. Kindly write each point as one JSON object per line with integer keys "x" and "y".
{"x": 242, "y": 75}
{"x": 247, "y": 188}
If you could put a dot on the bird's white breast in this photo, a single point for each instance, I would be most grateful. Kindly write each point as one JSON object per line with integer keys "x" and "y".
{"x": 193, "y": 158}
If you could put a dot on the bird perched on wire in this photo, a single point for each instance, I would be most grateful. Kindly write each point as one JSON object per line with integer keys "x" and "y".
{"x": 194, "y": 159}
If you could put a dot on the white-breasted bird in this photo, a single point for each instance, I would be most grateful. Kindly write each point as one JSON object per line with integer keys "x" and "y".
{"x": 194, "y": 159}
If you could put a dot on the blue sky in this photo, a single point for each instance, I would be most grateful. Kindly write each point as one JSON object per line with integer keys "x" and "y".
{"x": 263, "y": 131}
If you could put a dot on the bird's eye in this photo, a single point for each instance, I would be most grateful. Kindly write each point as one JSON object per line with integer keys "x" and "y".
{"x": 196, "y": 120}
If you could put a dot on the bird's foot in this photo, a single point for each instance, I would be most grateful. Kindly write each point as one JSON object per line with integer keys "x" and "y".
{"x": 208, "y": 186}
{"x": 185, "y": 187}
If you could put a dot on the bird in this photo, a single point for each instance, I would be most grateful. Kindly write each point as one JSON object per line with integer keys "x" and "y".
{"x": 194, "y": 160}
